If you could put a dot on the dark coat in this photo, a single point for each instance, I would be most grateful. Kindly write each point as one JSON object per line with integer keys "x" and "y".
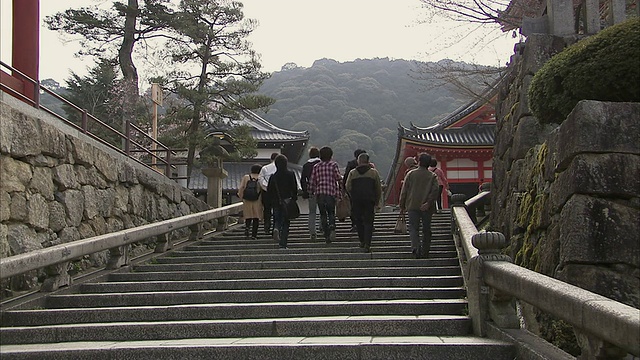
{"x": 282, "y": 185}
{"x": 307, "y": 168}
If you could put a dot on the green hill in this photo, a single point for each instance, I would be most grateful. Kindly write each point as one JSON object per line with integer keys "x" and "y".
{"x": 357, "y": 104}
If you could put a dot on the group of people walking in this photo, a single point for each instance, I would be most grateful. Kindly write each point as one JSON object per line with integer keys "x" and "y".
{"x": 323, "y": 185}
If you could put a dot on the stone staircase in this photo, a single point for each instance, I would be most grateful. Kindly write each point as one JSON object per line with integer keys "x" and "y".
{"x": 227, "y": 297}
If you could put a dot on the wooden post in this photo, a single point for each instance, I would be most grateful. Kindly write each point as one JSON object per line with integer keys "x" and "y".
{"x": 25, "y": 55}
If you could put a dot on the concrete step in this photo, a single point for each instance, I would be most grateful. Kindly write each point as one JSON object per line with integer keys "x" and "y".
{"x": 206, "y": 311}
{"x": 322, "y": 347}
{"x": 399, "y": 325}
{"x": 298, "y": 265}
{"x": 291, "y": 283}
{"x": 178, "y": 274}
{"x": 248, "y": 296}
{"x": 227, "y": 297}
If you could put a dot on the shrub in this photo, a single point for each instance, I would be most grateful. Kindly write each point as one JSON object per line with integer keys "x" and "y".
{"x": 603, "y": 67}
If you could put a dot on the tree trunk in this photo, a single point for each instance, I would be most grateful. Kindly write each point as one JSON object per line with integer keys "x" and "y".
{"x": 129, "y": 71}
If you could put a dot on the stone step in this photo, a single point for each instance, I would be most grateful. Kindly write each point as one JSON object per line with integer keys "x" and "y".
{"x": 227, "y": 297}
{"x": 178, "y": 274}
{"x": 298, "y": 265}
{"x": 295, "y": 251}
{"x": 248, "y": 296}
{"x": 399, "y": 325}
{"x": 311, "y": 348}
{"x": 206, "y": 311}
{"x": 290, "y": 283}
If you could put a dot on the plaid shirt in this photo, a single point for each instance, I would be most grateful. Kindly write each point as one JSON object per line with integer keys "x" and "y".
{"x": 325, "y": 179}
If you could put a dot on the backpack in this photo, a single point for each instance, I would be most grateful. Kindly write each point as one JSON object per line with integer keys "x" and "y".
{"x": 251, "y": 191}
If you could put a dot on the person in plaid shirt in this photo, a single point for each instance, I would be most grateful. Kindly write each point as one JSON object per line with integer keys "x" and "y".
{"x": 324, "y": 184}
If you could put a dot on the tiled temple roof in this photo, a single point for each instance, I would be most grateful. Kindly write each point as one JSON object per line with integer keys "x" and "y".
{"x": 235, "y": 170}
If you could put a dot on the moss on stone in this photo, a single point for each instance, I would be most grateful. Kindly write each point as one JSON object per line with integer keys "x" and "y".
{"x": 601, "y": 67}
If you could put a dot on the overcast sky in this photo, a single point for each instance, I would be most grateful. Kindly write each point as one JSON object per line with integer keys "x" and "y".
{"x": 302, "y": 31}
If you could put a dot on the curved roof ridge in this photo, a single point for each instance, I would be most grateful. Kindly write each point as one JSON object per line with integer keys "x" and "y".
{"x": 261, "y": 121}
{"x": 465, "y": 109}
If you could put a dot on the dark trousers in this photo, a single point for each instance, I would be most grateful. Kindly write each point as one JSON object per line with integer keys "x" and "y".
{"x": 415, "y": 218}
{"x": 363, "y": 213}
{"x": 327, "y": 208}
{"x": 251, "y": 225}
{"x": 266, "y": 212}
{"x": 439, "y": 198}
{"x": 281, "y": 223}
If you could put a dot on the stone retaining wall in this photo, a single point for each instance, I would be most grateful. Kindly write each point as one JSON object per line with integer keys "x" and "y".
{"x": 567, "y": 196}
{"x": 58, "y": 185}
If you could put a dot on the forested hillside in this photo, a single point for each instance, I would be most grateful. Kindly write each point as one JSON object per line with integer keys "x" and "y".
{"x": 356, "y": 104}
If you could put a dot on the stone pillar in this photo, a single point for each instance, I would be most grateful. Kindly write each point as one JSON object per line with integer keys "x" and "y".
{"x": 57, "y": 277}
{"x": 561, "y": 17}
{"x": 592, "y": 21}
{"x": 486, "y": 304}
{"x": 618, "y": 9}
{"x": 215, "y": 174}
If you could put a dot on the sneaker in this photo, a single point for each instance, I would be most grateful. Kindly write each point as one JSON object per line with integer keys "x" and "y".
{"x": 276, "y": 235}
{"x": 314, "y": 237}
{"x": 332, "y": 235}
{"x": 353, "y": 229}
{"x": 283, "y": 248}
{"x": 367, "y": 248}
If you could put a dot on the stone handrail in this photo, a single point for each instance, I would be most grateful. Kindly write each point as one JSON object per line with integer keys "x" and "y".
{"x": 493, "y": 281}
{"x": 56, "y": 258}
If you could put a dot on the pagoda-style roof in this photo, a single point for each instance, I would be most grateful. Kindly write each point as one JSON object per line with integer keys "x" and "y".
{"x": 472, "y": 124}
{"x": 268, "y": 136}
{"x": 264, "y": 131}
{"x": 235, "y": 170}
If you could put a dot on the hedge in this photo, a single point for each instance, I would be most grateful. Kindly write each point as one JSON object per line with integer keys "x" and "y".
{"x": 603, "y": 67}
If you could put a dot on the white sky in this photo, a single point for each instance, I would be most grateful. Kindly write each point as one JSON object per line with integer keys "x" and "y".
{"x": 302, "y": 31}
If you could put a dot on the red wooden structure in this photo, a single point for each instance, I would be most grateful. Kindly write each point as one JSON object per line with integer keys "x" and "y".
{"x": 462, "y": 143}
{"x": 25, "y": 48}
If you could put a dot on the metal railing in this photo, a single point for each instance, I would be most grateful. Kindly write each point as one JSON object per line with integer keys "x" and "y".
{"x": 134, "y": 143}
{"x": 493, "y": 282}
{"x": 56, "y": 258}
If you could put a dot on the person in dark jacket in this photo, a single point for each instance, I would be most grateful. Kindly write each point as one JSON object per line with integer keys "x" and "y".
{"x": 351, "y": 164}
{"x": 282, "y": 185}
{"x": 363, "y": 183}
{"x": 307, "y": 168}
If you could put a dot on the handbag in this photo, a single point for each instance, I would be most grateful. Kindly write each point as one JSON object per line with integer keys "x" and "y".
{"x": 401, "y": 225}
{"x": 289, "y": 206}
{"x": 343, "y": 208}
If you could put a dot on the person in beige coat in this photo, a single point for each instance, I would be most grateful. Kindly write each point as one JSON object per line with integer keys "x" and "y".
{"x": 252, "y": 209}
{"x": 418, "y": 198}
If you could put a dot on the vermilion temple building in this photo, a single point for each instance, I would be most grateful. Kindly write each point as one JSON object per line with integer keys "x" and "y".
{"x": 462, "y": 143}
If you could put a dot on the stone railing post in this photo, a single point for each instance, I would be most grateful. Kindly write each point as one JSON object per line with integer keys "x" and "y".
{"x": 592, "y": 347}
{"x": 57, "y": 277}
{"x": 487, "y": 304}
{"x": 457, "y": 200}
{"x": 118, "y": 257}
{"x": 196, "y": 232}
{"x": 163, "y": 243}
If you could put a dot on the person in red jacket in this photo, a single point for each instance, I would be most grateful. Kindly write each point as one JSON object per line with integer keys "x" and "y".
{"x": 442, "y": 182}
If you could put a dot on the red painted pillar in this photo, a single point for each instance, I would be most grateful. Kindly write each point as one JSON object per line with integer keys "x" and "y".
{"x": 26, "y": 41}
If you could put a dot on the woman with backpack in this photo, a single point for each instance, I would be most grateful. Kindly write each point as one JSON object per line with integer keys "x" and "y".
{"x": 250, "y": 191}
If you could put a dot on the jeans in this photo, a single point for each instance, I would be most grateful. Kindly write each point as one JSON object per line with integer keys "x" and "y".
{"x": 313, "y": 206}
{"x": 282, "y": 224}
{"x": 415, "y": 218}
{"x": 327, "y": 207}
{"x": 363, "y": 213}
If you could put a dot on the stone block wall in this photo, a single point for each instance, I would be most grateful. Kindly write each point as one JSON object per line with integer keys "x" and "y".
{"x": 58, "y": 185}
{"x": 567, "y": 196}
